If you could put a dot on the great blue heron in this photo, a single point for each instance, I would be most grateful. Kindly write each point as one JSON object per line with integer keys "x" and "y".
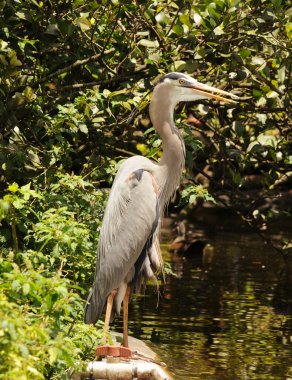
{"x": 128, "y": 249}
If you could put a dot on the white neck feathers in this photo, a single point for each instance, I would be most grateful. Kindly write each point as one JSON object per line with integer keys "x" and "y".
{"x": 173, "y": 159}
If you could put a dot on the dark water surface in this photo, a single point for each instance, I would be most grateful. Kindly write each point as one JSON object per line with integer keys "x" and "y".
{"x": 227, "y": 321}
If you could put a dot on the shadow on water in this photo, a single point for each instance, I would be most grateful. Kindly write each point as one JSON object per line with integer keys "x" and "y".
{"x": 229, "y": 321}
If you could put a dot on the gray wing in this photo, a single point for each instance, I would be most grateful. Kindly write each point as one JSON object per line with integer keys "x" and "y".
{"x": 131, "y": 217}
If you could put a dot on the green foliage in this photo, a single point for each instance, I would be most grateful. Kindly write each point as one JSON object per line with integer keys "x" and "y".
{"x": 40, "y": 335}
{"x": 71, "y": 74}
{"x": 191, "y": 193}
{"x": 42, "y": 330}
{"x": 59, "y": 226}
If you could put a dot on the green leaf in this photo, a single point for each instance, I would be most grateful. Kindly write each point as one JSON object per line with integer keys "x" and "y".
{"x": 219, "y": 30}
{"x": 13, "y": 188}
{"x": 185, "y": 19}
{"x": 282, "y": 74}
{"x": 148, "y": 43}
{"x": 257, "y": 93}
{"x": 258, "y": 61}
{"x": 262, "y": 118}
{"x": 178, "y": 29}
{"x": 244, "y": 53}
{"x": 119, "y": 92}
{"x": 212, "y": 13}
{"x": 14, "y": 61}
{"x": 200, "y": 53}
{"x": 53, "y": 354}
{"x": 287, "y": 245}
{"x": 29, "y": 94}
{"x": 3, "y": 45}
{"x": 83, "y": 128}
{"x": 178, "y": 66}
{"x": 66, "y": 28}
{"x": 23, "y": 15}
{"x": 83, "y": 23}
{"x": 18, "y": 203}
{"x": 98, "y": 119}
{"x": 35, "y": 372}
{"x": 4, "y": 209}
{"x": 239, "y": 127}
{"x": 162, "y": 18}
{"x": 192, "y": 198}
{"x": 126, "y": 105}
{"x": 197, "y": 18}
{"x": 272, "y": 94}
{"x": 25, "y": 289}
{"x": 288, "y": 28}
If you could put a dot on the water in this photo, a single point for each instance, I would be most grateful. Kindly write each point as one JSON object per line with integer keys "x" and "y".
{"x": 231, "y": 320}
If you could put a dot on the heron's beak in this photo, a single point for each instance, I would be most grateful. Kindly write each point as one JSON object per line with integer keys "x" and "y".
{"x": 213, "y": 92}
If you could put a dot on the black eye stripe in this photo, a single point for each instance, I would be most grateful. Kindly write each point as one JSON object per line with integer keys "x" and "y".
{"x": 172, "y": 76}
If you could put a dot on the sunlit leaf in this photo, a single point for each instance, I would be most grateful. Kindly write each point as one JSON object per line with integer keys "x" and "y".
{"x": 178, "y": 65}
{"x": 162, "y": 18}
{"x": 23, "y": 15}
{"x": 83, "y": 23}
{"x": 25, "y": 289}
{"x": 14, "y": 61}
{"x": 83, "y": 128}
{"x": 219, "y": 30}
{"x": 148, "y": 43}
{"x": 13, "y": 188}
{"x": 288, "y": 28}
{"x": 197, "y": 18}
{"x": 261, "y": 117}
{"x": 258, "y": 61}
{"x": 272, "y": 94}
{"x": 185, "y": 19}
{"x": 29, "y": 94}
{"x": 126, "y": 105}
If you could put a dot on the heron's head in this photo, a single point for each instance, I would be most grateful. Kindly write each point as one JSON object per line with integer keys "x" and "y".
{"x": 178, "y": 87}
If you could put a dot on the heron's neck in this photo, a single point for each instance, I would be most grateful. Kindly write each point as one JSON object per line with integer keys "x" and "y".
{"x": 173, "y": 158}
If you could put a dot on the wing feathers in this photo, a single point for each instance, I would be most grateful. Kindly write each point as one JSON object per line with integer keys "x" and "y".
{"x": 130, "y": 217}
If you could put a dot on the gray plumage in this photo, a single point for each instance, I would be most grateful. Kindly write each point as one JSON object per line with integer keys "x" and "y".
{"x": 128, "y": 249}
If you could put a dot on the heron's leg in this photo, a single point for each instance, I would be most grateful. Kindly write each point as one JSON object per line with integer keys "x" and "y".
{"x": 125, "y": 342}
{"x": 109, "y": 306}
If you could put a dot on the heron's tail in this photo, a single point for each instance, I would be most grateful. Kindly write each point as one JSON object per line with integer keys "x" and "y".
{"x": 94, "y": 304}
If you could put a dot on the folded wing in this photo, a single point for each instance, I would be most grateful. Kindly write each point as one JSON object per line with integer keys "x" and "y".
{"x": 130, "y": 221}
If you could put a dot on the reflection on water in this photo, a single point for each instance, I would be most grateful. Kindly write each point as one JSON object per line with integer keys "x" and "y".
{"x": 231, "y": 321}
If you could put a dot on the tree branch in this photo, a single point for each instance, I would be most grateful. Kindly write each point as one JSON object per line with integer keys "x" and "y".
{"x": 117, "y": 79}
{"x": 79, "y": 62}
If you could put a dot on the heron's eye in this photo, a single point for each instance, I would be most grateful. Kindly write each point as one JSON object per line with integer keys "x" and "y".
{"x": 181, "y": 81}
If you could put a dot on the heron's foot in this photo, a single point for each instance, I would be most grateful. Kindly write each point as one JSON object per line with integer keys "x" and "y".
{"x": 114, "y": 351}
